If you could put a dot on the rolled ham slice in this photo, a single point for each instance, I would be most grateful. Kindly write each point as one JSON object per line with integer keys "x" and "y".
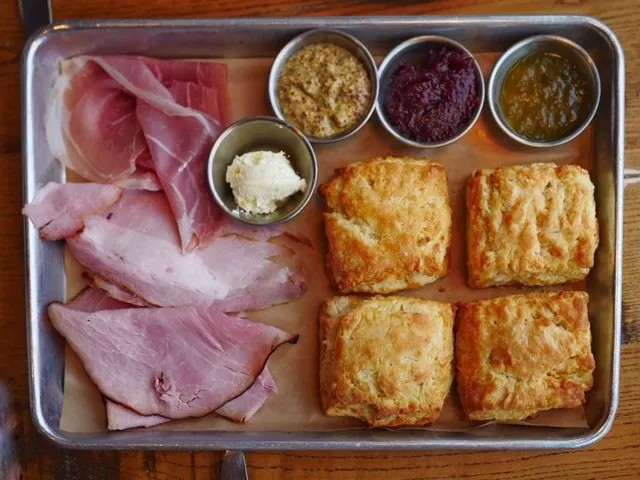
{"x": 172, "y": 362}
{"x": 59, "y": 209}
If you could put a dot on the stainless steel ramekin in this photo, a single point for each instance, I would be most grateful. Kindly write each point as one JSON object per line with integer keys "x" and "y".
{"x": 262, "y": 133}
{"x": 524, "y": 48}
{"x": 341, "y": 39}
{"x": 412, "y": 51}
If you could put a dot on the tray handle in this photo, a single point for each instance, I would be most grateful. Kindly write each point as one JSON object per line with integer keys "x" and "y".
{"x": 631, "y": 176}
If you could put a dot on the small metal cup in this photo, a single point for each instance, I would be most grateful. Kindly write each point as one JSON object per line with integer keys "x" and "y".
{"x": 552, "y": 44}
{"x": 412, "y": 51}
{"x": 262, "y": 133}
{"x": 335, "y": 37}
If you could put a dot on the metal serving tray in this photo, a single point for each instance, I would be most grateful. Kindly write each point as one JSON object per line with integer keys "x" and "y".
{"x": 45, "y": 277}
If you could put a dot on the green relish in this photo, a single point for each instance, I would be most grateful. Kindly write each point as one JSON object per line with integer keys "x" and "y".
{"x": 545, "y": 97}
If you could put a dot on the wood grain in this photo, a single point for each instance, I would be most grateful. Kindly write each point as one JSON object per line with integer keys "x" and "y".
{"x": 26, "y": 455}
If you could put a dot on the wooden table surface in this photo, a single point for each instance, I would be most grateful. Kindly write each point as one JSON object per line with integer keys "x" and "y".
{"x": 24, "y": 454}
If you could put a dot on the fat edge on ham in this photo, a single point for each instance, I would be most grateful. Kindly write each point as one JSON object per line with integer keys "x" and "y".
{"x": 240, "y": 409}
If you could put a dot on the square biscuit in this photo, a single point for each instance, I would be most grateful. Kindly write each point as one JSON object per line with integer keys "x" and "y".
{"x": 388, "y": 226}
{"x": 518, "y": 355}
{"x": 387, "y": 361}
{"x": 531, "y": 225}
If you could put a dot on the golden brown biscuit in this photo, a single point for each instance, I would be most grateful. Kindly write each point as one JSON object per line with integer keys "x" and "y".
{"x": 386, "y": 360}
{"x": 388, "y": 225}
{"x": 518, "y": 355}
{"x": 530, "y": 224}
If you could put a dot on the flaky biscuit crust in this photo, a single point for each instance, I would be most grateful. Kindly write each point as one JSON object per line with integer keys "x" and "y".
{"x": 518, "y": 355}
{"x": 531, "y": 225}
{"x": 386, "y": 360}
{"x": 388, "y": 226}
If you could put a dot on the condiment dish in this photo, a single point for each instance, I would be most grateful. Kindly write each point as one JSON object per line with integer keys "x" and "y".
{"x": 412, "y": 51}
{"x": 552, "y": 44}
{"x": 262, "y": 133}
{"x": 335, "y": 37}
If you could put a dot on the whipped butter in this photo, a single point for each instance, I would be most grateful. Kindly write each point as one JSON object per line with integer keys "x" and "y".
{"x": 262, "y": 180}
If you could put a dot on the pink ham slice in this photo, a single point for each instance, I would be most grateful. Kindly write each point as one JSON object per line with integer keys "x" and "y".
{"x": 59, "y": 209}
{"x": 92, "y": 128}
{"x": 239, "y": 409}
{"x": 114, "y": 291}
{"x": 135, "y": 247}
{"x": 119, "y": 417}
{"x": 242, "y": 408}
{"x": 141, "y": 112}
{"x": 91, "y": 300}
{"x": 173, "y": 362}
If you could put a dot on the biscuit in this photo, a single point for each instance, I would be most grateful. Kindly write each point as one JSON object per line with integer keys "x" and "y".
{"x": 518, "y": 355}
{"x": 531, "y": 225}
{"x": 388, "y": 226}
{"x": 387, "y": 361}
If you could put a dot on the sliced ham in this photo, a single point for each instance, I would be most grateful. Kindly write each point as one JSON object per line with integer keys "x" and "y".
{"x": 92, "y": 128}
{"x": 173, "y": 362}
{"x": 114, "y": 291}
{"x": 59, "y": 209}
{"x": 240, "y": 409}
{"x": 119, "y": 417}
{"x": 135, "y": 247}
{"x": 91, "y": 300}
{"x": 144, "y": 123}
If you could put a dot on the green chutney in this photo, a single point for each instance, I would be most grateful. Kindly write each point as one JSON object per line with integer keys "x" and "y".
{"x": 545, "y": 97}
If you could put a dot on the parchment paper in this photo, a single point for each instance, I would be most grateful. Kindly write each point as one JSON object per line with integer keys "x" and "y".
{"x": 297, "y": 405}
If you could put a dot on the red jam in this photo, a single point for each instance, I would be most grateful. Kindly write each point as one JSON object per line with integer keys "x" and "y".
{"x": 436, "y": 100}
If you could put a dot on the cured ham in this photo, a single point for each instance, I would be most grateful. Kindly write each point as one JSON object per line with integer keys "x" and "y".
{"x": 173, "y": 362}
{"x": 132, "y": 250}
{"x": 119, "y": 417}
{"x": 242, "y": 408}
{"x": 144, "y": 123}
{"x": 134, "y": 246}
{"x": 239, "y": 409}
{"x": 166, "y": 260}
{"x": 59, "y": 209}
{"x": 114, "y": 291}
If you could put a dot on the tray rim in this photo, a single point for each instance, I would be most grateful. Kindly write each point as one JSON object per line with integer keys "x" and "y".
{"x": 187, "y": 440}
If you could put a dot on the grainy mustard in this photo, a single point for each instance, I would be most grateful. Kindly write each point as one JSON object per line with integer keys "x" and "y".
{"x": 324, "y": 90}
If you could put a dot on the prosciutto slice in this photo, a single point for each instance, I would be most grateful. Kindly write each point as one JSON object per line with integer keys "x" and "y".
{"x": 143, "y": 122}
{"x": 173, "y": 362}
{"x": 59, "y": 209}
{"x": 134, "y": 246}
{"x": 92, "y": 128}
{"x": 240, "y": 409}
